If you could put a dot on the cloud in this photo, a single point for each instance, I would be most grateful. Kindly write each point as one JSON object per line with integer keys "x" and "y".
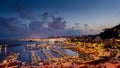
{"x": 91, "y": 30}
{"x": 30, "y": 25}
{"x": 10, "y": 27}
{"x": 8, "y": 24}
{"x": 57, "y": 24}
{"x": 86, "y": 26}
{"x": 76, "y": 24}
{"x": 45, "y": 16}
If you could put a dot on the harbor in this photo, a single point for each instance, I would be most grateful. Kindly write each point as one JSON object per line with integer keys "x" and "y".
{"x": 34, "y": 53}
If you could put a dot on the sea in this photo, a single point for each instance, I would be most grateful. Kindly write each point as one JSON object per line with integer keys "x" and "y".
{"x": 25, "y": 56}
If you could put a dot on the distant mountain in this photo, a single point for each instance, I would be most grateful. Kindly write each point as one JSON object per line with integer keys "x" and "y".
{"x": 110, "y": 32}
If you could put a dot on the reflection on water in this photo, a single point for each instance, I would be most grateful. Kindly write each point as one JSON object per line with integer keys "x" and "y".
{"x": 70, "y": 52}
{"x": 55, "y": 54}
{"x": 0, "y": 50}
{"x": 42, "y": 56}
{"x": 5, "y": 51}
{"x": 67, "y": 51}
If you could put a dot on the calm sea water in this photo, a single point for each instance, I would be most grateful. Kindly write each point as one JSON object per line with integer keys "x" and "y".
{"x": 25, "y": 56}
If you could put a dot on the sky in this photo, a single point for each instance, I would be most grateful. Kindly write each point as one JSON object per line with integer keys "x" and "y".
{"x": 46, "y": 18}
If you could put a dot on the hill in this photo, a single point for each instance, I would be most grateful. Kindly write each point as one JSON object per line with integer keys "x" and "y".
{"x": 111, "y": 32}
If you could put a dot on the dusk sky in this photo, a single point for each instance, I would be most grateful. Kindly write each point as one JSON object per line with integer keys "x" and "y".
{"x": 45, "y": 18}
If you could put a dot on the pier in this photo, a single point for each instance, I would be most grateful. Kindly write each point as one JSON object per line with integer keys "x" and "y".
{"x": 34, "y": 57}
{"x": 59, "y": 52}
{"x": 12, "y": 57}
{"x": 48, "y": 54}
